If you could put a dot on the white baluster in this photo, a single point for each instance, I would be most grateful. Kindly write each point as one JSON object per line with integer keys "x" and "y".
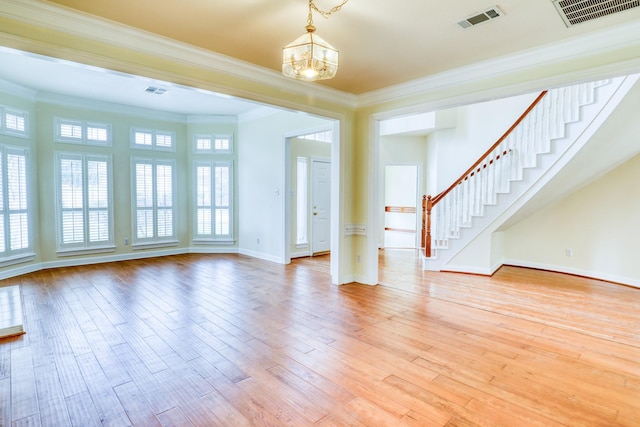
{"x": 458, "y": 210}
{"x": 466, "y": 196}
{"x": 545, "y": 135}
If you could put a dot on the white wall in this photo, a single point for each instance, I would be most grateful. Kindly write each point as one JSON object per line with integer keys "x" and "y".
{"x": 461, "y": 137}
{"x": 615, "y": 142}
{"x": 598, "y": 223}
{"x": 261, "y": 154}
{"x": 478, "y": 127}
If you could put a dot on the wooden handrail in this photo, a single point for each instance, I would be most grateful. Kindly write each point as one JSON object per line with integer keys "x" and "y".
{"x": 429, "y": 202}
{"x": 439, "y": 197}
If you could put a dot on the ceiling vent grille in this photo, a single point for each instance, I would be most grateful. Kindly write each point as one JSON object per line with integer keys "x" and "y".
{"x": 155, "y": 90}
{"x": 481, "y": 17}
{"x": 576, "y": 11}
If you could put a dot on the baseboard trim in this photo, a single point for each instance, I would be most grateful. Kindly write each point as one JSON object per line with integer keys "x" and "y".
{"x": 261, "y": 255}
{"x": 71, "y": 262}
{"x": 467, "y": 270}
{"x": 598, "y": 275}
{"x": 205, "y": 250}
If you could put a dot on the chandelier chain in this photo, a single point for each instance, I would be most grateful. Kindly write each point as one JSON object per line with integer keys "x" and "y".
{"x": 323, "y": 13}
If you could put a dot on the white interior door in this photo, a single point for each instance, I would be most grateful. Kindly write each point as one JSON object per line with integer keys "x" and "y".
{"x": 400, "y": 199}
{"x": 320, "y": 206}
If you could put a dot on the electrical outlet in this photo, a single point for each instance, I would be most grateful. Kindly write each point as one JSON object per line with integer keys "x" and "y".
{"x": 257, "y": 240}
{"x": 126, "y": 240}
{"x": 569, "y": 252}
{"x": 358, "y": 259}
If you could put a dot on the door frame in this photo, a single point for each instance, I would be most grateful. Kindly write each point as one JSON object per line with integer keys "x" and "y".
{"x": 336, "y": 265}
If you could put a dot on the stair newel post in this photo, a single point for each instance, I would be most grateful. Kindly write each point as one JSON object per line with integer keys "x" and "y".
{"x": 427, "y": 243}
{"x": 424, "y": 221}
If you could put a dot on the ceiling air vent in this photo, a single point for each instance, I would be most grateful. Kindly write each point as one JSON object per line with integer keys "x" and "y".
{"x": 155, "y": 90}
{"x": 481, "y": 17}
{"x": 574, "y": 12}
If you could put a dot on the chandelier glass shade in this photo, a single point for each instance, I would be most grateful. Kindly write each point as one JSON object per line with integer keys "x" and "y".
{"x": 310, "y": 57}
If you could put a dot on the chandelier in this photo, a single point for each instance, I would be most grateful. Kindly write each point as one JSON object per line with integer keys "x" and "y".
{"x": 309, "y": 57}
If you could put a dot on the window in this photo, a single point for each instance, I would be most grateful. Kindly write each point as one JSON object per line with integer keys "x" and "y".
{"x": 301, "y": 202}
{"x": 222, "y": 143}
{"x": 213, "y": 144}
{"x": 14, "y": 203}
{"x": 78, "y": 132}
{"x": 153, "y": 139}
{"x": 84, "y": 201}
{"x": 213, "y": 200}
{"x": 14, "y": 122}
{"x": 203, "y": 143}
{"x": 154, "y": 201}
{"x": 324, "y": 136}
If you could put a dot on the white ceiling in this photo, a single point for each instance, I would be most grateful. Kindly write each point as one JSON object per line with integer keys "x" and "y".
{"x": 58, "y": 77}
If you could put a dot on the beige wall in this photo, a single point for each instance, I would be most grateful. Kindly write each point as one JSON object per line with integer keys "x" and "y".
{"x": 598, "y": 223}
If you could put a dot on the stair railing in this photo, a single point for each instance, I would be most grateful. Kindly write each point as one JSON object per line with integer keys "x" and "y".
{"x": 489, "y": 158}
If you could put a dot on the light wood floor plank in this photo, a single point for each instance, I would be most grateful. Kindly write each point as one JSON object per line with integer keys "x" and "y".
{"x": 53, "y": 409}
{"x": 135, "y": 405}
{"x": 5, "y": 402}
{"x": 24, "y": 396}
{"x": 228, "y": 340}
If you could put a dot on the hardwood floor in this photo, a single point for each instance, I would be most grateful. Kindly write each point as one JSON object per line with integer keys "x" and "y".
{"x": 226, "y": 340}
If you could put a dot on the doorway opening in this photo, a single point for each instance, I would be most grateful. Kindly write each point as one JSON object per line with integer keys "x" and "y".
{"x": 310, "y": 186}
{"x": 401, "y": 206}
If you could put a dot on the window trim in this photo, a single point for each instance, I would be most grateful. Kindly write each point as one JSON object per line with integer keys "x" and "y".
{"x": 154, "y": 139}
{"x": 155, "y": 241}
{"x": 302, "y": 206}
{"x": 84, "y": 129}
{"x": 213, "y": 237}
{"x": 4, "y": 111}
{"x": 213, "y": 138}
{"x": 86, "y": 246}
{"x": 320, "y": 136}
{"x": 14, "y": 256}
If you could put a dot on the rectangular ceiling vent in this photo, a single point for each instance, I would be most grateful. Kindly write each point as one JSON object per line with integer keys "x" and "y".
{"x": 574, "y": 12}
{"x": 481, "y": 17}
{"x": 155, "y": 90}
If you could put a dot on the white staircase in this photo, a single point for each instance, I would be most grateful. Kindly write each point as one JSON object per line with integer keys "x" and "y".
{"x": 527, "y": 158}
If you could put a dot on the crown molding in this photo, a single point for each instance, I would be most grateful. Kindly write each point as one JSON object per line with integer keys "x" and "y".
{"x": 108, "y": 107}
{"x": 257, "y": 113}
{"x": 211, "y": 120}
{"x": 581, "y": 47}
{"x": 18, "y": 90}
{"x": 83, "y": 25}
